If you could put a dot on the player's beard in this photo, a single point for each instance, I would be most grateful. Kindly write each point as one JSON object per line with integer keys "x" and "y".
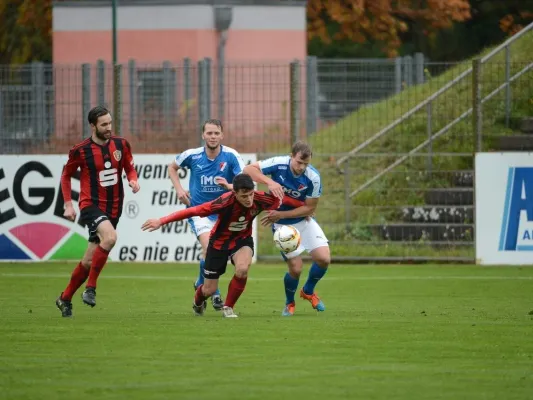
{"x": 211, "y": 147}
{"x": 105, "y": 135}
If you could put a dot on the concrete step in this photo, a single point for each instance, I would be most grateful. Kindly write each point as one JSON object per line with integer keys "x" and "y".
{"x": 438, "y": 214}
{"x": 512, "y": 142}
{"x": 427, "y": 232}
{"x": 526, "y": 125}
{"x": 450, "y": 197}
{"x": 463, "y": 178}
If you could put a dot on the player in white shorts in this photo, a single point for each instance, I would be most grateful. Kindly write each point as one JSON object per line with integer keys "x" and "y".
{"x": 212, "y": 170}
{"x": 295, "y": 177}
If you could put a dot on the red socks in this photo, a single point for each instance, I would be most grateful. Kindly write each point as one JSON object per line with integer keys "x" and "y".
{"x": 79, "y": 275}
{"x": 235, "y": 289}
{"x": 99, "y": 260}
{"x": 199, "y": 297}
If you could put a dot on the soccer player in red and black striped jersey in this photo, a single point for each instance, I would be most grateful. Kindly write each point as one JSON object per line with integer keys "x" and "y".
{"x": 231, "y": 237}
{"x": 101, "y": 160}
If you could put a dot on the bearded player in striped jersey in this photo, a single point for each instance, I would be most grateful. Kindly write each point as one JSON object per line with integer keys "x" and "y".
{"x": 101, "y": 159}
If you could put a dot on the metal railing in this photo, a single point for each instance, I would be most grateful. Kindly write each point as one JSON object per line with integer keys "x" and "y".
{"x": 428, "y": 102}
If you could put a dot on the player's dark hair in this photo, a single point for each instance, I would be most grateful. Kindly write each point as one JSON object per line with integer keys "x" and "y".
{"x": 95, "y": 113}
{"x": 212, "y": 121}
{"x": 243, "y": 181}
{"x": 303, "y": 148}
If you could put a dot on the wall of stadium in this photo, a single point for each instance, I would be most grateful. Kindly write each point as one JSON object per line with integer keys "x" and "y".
{"x": 32, "y": 227}
{"x": 504, "y": 208}
{"x": 264, "y": 37}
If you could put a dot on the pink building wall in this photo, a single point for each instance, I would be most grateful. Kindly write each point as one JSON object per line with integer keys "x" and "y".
{"x": 262, "y": 41}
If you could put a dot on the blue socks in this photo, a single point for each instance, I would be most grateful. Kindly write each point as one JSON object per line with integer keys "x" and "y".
{"x": 315, "y": 274}
{"x": 291, "y": 284}
{"x": 200, "y": 279}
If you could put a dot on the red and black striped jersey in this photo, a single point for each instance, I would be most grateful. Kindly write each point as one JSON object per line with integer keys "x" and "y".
{"x": 101, "y": 169}
{"x": 234, "y": 221}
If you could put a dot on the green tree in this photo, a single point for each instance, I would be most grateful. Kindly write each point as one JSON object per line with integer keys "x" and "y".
{"x": 26, "y": 31}
{"x": 491, "y": 23}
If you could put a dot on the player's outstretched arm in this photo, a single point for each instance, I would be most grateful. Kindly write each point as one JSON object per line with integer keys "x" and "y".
{"x": 289, "y": 201}
{"x": 203, "y": 210}
{"x": 303, "y": 210}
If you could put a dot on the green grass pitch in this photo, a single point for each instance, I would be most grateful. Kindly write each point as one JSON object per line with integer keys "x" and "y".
{"x": 388, "y": 332}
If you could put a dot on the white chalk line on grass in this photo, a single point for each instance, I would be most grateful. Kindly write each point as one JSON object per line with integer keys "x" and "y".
{"x": 333, "y": 278}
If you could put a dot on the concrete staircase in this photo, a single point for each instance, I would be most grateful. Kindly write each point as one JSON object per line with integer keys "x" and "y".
{"x": 448, "y": 215}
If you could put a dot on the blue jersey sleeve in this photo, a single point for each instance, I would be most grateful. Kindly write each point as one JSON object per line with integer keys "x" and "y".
{"x": 238, "y": 164}
{"x": 271, "y": 165}
{"x": 183, "y": 160}
{"x": 314, "y": 188}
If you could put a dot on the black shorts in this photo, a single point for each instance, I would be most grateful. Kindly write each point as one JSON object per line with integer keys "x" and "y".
{"x": 216, "y": 261}
{"x": 92, "y": 216}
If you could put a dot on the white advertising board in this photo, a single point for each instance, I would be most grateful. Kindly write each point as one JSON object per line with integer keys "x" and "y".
{"x": 504, "y": 208}
{"x": 31, "y": 207}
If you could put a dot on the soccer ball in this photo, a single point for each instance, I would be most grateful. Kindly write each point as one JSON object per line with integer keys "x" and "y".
{"x": 287, "y": 238}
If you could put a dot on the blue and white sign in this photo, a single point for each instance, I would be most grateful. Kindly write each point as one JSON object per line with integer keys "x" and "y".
{"x": 504, "y": 208}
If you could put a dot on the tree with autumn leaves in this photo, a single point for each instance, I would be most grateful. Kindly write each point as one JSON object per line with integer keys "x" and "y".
{"x": 387, "y": 27}
{"x": 381, "y": 21}
{"x": 442, "y": 29}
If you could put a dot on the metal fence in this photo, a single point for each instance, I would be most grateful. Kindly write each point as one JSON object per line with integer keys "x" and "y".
{"x": 421, "y": 208}
{"x": 264, "y": 106}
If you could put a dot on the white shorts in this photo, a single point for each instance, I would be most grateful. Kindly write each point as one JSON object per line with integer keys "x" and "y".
{"x": 311, "y": 234}
{"x": 200, "y": 225}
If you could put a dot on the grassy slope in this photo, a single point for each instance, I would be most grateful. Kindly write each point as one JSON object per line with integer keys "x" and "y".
{"x": 409, "y": 179}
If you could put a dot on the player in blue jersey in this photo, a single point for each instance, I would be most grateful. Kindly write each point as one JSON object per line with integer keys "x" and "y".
{"x": 295, "y": 177}
{"x": 212, "y": 169}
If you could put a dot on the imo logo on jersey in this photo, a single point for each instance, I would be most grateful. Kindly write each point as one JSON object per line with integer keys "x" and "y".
{"x": 517, "y": 223}
{"x": 209, "y": 184}
{"x": 293, "y": 193}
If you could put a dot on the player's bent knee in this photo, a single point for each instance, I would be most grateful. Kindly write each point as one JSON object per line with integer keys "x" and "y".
{"x": 321, "y": 256}
{"x": 241, "y": 271}
{"x": 109, "y": 240}
{"x": 323, "y": 262}
{"x": 295, "y": 266}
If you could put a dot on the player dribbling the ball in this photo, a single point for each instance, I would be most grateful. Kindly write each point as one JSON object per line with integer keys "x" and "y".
{"x": 231, "y": 238}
